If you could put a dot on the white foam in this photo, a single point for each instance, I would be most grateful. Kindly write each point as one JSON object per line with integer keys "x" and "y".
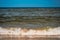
{"x": 19, "y": 31}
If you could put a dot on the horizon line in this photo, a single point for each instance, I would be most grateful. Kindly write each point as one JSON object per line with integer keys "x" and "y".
{"x": 26, "y": 7}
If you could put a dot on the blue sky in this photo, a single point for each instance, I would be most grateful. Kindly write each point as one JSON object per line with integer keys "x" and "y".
{"x": 29, "y": 3}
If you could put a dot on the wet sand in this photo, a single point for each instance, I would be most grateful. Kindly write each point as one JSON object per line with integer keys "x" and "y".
{"x": 13, "y": 38}
{"x": 27, "y": 38}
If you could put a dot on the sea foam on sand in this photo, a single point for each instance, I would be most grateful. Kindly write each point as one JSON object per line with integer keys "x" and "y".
{"x": 21, "y": 32}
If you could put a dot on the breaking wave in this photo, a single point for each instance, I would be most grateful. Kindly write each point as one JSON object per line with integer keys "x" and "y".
{"x": 19, "y": 31}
